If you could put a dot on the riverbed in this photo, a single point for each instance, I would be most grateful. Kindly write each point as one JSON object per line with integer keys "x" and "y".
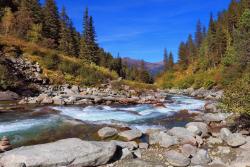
{"x": 28, "y": 125}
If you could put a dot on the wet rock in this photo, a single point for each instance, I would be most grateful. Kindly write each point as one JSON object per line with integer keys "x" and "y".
{"x": 5, "y": 144}
{"x": 177, "y": 159}
{"x": 198, "y": 128}
{"x": 8, "y": 96}
{"x": 236, "y": 140}
{"x": 201, "y": 158}
{"x": 41, "y": 97}
{"x": 75, "y": 89}
{"x": 225, "y": 133}
{"x": 188, "y": 150}
{"x": 68, "y": 152}
{"x": 212, "y": 107}
{"x": 107, "y": 132}
{"x": 131, "y": 134}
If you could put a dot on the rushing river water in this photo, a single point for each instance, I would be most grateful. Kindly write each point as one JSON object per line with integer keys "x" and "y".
{"x": 32, "y": 125}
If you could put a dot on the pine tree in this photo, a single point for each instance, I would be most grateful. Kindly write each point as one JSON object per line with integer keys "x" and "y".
{"x": 191, "y": 49}
{"x": 51, "y": 24}
{"x": 165, "y": 59}
{"x": 170, "y": 61}
{"x": 183, "y": 61}
{"x": 23, "y": 21}
{"x": 211, "y": 39}
{"x": 198, "y": 34}
{"x": 89, "y": 47}
{"x": 66, "y": 38}
{"x": 34, "y": 7}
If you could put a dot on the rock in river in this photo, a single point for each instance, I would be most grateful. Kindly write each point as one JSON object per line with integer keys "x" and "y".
{"x": 67, "y": 152}
{"x": 8, "y": 96}
{"x": 107, "y": 132}
{"x": 131, "y": 134}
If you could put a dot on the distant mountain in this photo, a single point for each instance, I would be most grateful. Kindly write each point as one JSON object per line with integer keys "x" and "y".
{"x": 153, "y": 68}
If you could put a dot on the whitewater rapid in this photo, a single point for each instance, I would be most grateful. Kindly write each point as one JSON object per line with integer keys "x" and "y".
{"x": 135, "y": 116}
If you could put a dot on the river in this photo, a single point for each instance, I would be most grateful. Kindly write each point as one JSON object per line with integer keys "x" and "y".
{"x": 27, "y": 125}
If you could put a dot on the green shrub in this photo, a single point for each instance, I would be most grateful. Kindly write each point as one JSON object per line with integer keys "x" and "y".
{"x": 237, "y": 96}
{"x": 51, "y": 61}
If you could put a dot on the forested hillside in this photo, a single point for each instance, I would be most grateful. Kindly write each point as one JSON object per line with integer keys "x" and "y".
{"x": 40, "y": 33}
{"x": 216, "y": 58}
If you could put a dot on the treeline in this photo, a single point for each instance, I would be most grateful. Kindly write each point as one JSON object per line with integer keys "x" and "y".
{"x": 217, "y": 57}
{"x": 226, "y": 43}
{"x": 46, "y": 26}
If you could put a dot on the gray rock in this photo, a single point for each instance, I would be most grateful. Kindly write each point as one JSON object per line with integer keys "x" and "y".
{"x": 143, "y": 145}
{"x": 131, "y": 145}
{"x": 126, "y": 154}
{"x": 141, "y": 163}
{"x": 201, "y": 128}
{"x": 154, "y": 136}
{"x": 183, "y": 134}
{"x": 201, "y": 158}
{"x": 188, "y": 150}
{"x": 58, "y": 100}
{"x": 215, "y": 117}
{"x": 236, "y": 140}
{"x": 225, "y": 133}
{"x": 107, "y": 132}
{"x": 47, "y": 100}
{"x": 8, "y": 96}
{"x": 68, "y": 152}
{"x": 131, "y": 134}
{"x": 212, "y": 107}
{"x": 75, "y": 89}
{"x": 177, "y": 159}
{"x": 166, "y": 140}
{"x": 247, "y": 145}
{"x": 137, "y": 153}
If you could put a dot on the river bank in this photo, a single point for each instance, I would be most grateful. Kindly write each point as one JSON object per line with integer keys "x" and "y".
{"x": 139, "y": 133}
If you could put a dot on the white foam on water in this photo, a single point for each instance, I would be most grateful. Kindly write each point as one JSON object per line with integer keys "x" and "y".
{"x": 20, "y": 125}
{"x": 107, "y": 114}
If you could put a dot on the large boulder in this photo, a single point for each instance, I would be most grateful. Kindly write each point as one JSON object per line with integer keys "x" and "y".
{"x": 8, "y": 96}
{"x": 236, "y": 140}
{"x": 107, "y": 132}
{"x": 215, "y": 117}
{"x": 67, "y": 152}
{"x": 131, "y": 134}
{"x": 166, "y": 140}
{"x": 183, "y": 134}
{"x": 198, "y": 128}
{"x": 177, "y": 159}
{"x": 131, "y": 145}
{"x": 188, "y": 150}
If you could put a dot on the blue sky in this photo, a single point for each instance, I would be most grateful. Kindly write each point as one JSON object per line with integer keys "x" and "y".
{"x": 141, "y": 29}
